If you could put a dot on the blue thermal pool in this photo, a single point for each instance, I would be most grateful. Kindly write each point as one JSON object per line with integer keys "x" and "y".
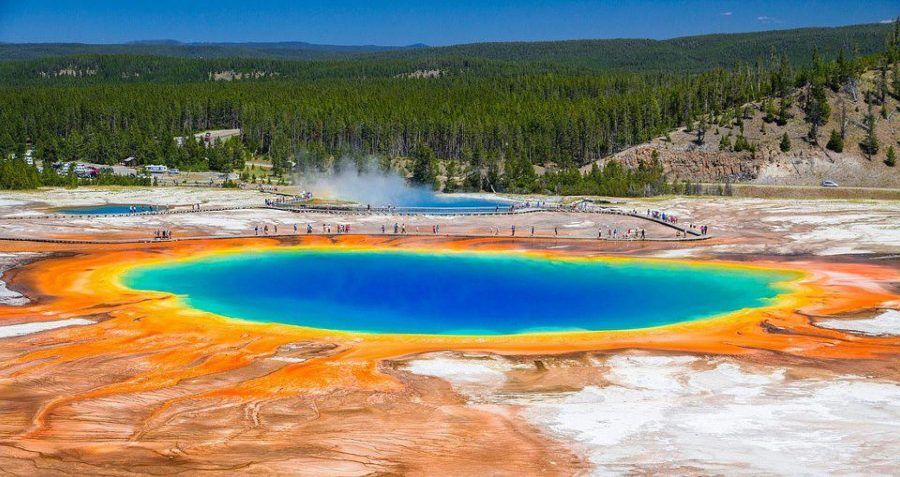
{"x": 109, "y": 209}
{"x": 443, "y": 204}
{"x": 456, "y": 293}
{"x": 448, "y": 200}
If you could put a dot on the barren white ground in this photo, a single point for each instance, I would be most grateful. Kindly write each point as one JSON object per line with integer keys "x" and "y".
{"x": 885, "y": 323}
{"x": 755, "y": 226}
{"x": 686, "y": 414}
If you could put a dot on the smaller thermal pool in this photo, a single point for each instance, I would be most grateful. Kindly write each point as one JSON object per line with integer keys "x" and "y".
{"x": 450, "y": 200}
{"x": 109, "y": 209}
{"x": 445, "y": 204}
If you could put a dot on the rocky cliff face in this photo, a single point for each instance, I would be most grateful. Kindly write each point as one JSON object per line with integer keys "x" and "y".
{"x": 697, "y": 164}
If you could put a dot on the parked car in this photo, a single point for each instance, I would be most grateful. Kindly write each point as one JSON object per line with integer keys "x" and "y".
{"x": 829, "y": 184}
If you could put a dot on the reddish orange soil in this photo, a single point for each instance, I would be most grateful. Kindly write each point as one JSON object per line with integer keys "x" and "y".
{"x": 155, "y": 387}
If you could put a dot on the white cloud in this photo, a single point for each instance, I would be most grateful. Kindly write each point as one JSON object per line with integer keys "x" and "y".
{"x": 887, "y": 21}
{"x": 768, "y": 19}
{"x": 726, "y": 14}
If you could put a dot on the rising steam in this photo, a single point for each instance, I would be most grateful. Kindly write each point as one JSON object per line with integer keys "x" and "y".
{"x": 365, "y": 184}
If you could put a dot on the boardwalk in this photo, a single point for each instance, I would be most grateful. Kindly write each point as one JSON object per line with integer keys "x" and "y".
{"x": 687, "y": 233}
{"x": 417, "y": 211}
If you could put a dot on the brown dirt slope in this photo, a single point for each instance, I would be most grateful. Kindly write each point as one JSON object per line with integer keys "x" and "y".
{"x": 804, "y": 164}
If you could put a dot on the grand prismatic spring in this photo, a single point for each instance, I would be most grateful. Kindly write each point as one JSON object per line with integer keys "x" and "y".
{"x": 456, "y": 293}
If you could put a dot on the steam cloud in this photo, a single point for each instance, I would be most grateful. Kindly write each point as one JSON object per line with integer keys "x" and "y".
{"x": 366, "y": 184}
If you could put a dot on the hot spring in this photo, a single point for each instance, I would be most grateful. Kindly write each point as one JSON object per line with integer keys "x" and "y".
{"x": 456, "y": 293}
{"x": 109, "y": 209}
{"x": 451, "y": 200}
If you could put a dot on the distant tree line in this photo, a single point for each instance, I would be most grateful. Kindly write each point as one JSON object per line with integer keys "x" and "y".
{"x": 79, "y": 64}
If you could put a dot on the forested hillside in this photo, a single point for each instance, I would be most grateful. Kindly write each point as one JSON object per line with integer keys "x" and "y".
{"x": 294, "y": 50}
{"x": 96, "y": 69}
{"x": 693, "y": 53}
{"x": 494, "y": 124}
{"x": 537, "y": 119}
{"x": 178, "y": 62}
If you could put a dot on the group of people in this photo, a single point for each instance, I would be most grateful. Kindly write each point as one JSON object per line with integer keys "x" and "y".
{"x": 134, "y": 209}
{"x": 536, "y": 204}
{"x": 163, "y": 234}
{"x": 512, "y": 230}
{"x": 630, "y": 234}
{"x": 284, "y": 199}
{"x": 340, "y": 228}
{"x": 309, "y": 228}
{"x": 662, "y": 216}
{"x": 327, "y": 228}
{"x": 703, "y": 228}
{"x": 265, "y": 229}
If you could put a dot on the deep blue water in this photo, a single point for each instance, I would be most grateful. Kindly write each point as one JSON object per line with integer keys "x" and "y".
{"x": 436, "y": 293}
{"x": 108, "y": 209}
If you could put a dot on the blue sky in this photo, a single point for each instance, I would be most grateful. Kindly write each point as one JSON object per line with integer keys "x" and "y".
{"x": 402, "y": 22}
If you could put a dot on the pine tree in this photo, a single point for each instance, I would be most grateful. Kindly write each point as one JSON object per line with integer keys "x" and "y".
{"x": 817, "y": 110}
{"x": 725, "y": 144}
{"x": 869, "y": 144}
{"x": 784, "y": 112}
{"x": 785, "y": 144}
{"x": 835, "y": 142}
{"x": 701, "y": 129}
{"x": 424, "y": 162}
{"x": 742, "y": 144}
{"x": 891, "y": 159}
{"x": 769, "y": 108}
{"x": 896, "y": 82}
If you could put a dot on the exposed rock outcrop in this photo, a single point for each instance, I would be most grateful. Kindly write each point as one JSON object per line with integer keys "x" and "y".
{"x": 697, "y": 164}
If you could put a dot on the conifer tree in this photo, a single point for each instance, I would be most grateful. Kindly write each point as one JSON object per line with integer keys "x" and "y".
{"x": 424, "y": 162}
{"x": 785, "y": 144}
{"x": 869, "y": 144}
{"x": 835, "y": 142}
